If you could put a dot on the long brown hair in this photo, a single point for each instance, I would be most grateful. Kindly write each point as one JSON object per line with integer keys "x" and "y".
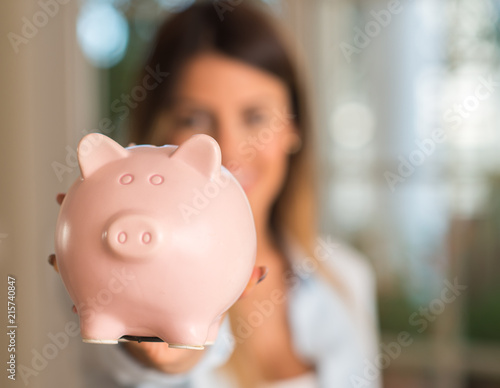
{"x": 250, "y": 35}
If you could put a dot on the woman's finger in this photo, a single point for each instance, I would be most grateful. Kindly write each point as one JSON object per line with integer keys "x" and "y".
{"x": 263, "y": 274}
{"x": 60, "y": 198}
{"x": 53, "y": 262}
{"x": 258, "y": 275}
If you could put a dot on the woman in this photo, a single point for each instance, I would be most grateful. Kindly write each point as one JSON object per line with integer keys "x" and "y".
{"x": 311, "y": 322}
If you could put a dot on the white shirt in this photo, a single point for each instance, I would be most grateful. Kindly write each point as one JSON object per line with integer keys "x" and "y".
{"x": 337, "y": 336}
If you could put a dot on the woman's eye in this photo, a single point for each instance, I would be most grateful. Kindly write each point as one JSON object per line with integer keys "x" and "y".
{"x": 256, "y": 119}
{"x": 196, "y": 121}
{"x": 187, "y": 121}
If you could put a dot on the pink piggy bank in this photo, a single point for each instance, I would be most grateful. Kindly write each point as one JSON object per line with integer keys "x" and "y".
{"x": 154, "y": 242}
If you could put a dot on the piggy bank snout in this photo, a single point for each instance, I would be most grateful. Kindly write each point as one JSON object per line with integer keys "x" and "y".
{"x": 133, "y": 235}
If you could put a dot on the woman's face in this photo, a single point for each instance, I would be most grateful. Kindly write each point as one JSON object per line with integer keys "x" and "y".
{"x": 247, "y": 111}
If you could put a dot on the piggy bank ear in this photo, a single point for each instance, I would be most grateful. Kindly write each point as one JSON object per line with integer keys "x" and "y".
{"x": 96, "y": 150}
{"x": 202, "y": 153}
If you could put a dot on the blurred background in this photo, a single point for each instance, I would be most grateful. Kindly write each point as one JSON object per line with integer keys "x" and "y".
{"x": 406, "y": 102}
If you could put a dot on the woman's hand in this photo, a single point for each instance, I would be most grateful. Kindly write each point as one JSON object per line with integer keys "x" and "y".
{"x": 157, "y": 354}
{"x": 170, "y": 360}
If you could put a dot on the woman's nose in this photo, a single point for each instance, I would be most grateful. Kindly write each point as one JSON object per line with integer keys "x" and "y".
{"x": 230, "y": 140}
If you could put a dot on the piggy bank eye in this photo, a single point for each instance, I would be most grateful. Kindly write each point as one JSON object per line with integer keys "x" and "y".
{"x": 126, "y": 179}
{"x": 156, "y": 180}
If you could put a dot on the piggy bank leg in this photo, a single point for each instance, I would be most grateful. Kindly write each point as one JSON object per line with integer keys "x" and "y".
{"x": 181, "y": 346}
{"x": 101, "y": 329}
{"x": 185, "y": 335}
{"x": 213, "y": 330}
